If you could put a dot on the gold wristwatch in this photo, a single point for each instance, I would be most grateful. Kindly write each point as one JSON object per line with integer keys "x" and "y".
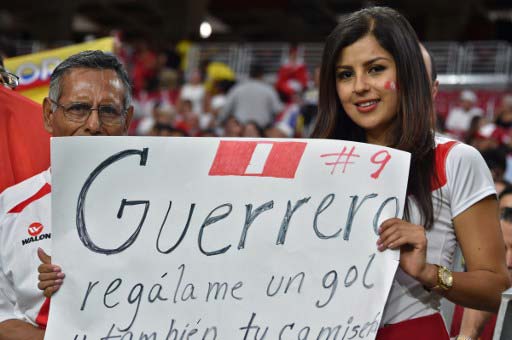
{"x": 462, "y": 337}
{"x": 444, "y": 278}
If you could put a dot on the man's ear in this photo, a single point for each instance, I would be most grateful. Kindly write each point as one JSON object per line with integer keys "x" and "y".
{"x": 48, "y": 115}
{"x": 128, "y": 120}
{"x": 435, "y": 89}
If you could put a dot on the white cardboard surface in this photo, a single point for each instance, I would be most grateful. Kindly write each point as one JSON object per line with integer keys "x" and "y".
{"x": 267, "y": 252}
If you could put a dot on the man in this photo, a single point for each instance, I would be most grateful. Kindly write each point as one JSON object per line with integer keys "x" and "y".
{"x": 431, "y": 69}
{"x": 459, "y": 118}
{"x": 7, "y": 79}
{"x": 253, "y": 100}
{"x": 477, "y": 324}
{"x": 89, "y": 96}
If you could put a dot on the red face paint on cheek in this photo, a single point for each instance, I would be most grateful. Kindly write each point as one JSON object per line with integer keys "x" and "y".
{"x": 391, "y": 85}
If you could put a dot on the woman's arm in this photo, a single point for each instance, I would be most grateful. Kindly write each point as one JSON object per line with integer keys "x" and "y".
{"x": 480, "y": 238}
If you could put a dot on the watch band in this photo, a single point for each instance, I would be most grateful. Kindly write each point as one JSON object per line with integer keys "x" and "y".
{"x": 463, "y": 337}
{"x": 444, "y": 278}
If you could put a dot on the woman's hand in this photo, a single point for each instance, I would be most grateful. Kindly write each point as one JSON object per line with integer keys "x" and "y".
{"x": 411, "y": 239}
{"x": 50, "y": 276}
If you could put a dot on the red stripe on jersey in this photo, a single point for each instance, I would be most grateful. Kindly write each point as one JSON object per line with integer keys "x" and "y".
{"x": 441, "y": 153}
{"x": 42, "y": 317}
{"x": 46, "y": 189}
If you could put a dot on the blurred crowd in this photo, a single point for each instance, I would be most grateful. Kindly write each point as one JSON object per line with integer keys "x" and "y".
{"x": 211, "y": 101}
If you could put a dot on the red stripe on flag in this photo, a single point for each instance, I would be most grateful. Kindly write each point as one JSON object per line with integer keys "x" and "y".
{"x": 233, "y": 158}
{"x": 284, "y": 159}
{"x": 24, "y": 143}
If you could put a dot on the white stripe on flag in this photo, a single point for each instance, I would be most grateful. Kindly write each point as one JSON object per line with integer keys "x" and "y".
{"x": 259, "y": 158}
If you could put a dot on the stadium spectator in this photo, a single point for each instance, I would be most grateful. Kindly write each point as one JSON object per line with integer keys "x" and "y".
{"x": 497, "y": 163}
{"x": 253, "y": 100}
{"x": 144, "y": 68}
{"x": 504, "y": 116}
{"x": 459, "y": 118}
{"x": 475, "y": 324}
{"x": 215, "y": 72}
{"x": 188, "y": 120}
{"x": 194, "y": 91}
{"x": 165, "y": 130}
{"x": 292, "y": 77}
{"x": 7, "y": 79}
{"x": 231, "y": 127}
{"x": 252, "y": 129}
{"x": 163, "y": 113}
{"x": 309, "y": 107}
{"x": 430, "y": 64}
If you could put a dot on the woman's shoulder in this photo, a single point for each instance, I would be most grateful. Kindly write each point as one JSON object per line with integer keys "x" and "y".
{"x": 457, "y": 161}
{"x": 446, "y": 146}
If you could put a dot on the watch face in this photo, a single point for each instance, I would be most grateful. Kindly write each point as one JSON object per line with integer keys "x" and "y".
{"x": 447, "y": 278}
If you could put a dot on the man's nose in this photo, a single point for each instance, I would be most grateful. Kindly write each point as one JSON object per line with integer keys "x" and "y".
{"x": 93, "y": 123}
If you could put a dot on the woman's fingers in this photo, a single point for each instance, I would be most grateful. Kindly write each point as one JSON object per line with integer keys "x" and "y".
{"x": 395, "y": 233}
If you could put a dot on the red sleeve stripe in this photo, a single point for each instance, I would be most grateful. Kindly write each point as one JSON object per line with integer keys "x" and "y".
{"x": 46, "y": 189}
{"x": 42, "y": 317}
{"x": 441, "y": 153}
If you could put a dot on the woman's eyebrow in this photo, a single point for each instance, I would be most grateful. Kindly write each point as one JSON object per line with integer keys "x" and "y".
{"x": 366, "y": 63}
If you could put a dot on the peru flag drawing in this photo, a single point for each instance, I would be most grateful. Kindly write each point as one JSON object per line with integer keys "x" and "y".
{"x": 257, "y": 158}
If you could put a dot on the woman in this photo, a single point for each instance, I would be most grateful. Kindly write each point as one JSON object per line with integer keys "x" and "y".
{"x": 375, "y": 89}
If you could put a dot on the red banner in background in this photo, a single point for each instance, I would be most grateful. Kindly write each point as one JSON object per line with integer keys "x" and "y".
{"x": 24, "y": 144}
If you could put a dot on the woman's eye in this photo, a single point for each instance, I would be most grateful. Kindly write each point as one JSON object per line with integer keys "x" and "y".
{"x": 343, "y": 75}
{"x": 377, "y": 68}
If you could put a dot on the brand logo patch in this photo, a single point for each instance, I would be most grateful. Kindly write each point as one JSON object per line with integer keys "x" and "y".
{"x": 35, "y": 229}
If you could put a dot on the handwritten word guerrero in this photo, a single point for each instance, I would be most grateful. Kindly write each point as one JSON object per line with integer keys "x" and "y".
{"x": 220, "y": 213}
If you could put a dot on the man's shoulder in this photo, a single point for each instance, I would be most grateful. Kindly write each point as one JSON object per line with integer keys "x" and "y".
{"x": 16, "y": 197}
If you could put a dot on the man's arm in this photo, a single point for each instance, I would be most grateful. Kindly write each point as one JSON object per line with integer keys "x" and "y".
{"x": 473, "y": 322}
{"x": 10, "y": 327}
{"x": 19, "y": 330}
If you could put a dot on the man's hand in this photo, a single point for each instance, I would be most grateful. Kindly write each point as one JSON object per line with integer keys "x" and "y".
{"x": 19, "y": 330}
{"x": 50, "y": 276}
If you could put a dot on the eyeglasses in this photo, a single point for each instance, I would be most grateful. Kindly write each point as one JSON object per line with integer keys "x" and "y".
{"x": 80, "y": 112}
{"x": 506, "y": 214}
{"x": 9, "y": 79}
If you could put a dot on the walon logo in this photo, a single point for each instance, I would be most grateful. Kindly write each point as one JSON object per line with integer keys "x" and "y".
{"x": 35, "y": 231}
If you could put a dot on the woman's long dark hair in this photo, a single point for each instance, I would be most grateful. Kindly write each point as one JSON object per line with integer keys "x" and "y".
{"x": 412, "y": 128}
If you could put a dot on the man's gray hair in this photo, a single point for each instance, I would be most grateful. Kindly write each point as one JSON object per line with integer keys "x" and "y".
{"x": 97, "y": 60}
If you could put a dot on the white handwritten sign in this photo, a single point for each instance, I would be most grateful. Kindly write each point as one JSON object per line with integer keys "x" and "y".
{"x": 204, "y": 238}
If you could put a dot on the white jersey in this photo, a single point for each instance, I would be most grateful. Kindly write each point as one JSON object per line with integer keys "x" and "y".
{"x": 25, "y": 211}
{"x": 465, "y": 179}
